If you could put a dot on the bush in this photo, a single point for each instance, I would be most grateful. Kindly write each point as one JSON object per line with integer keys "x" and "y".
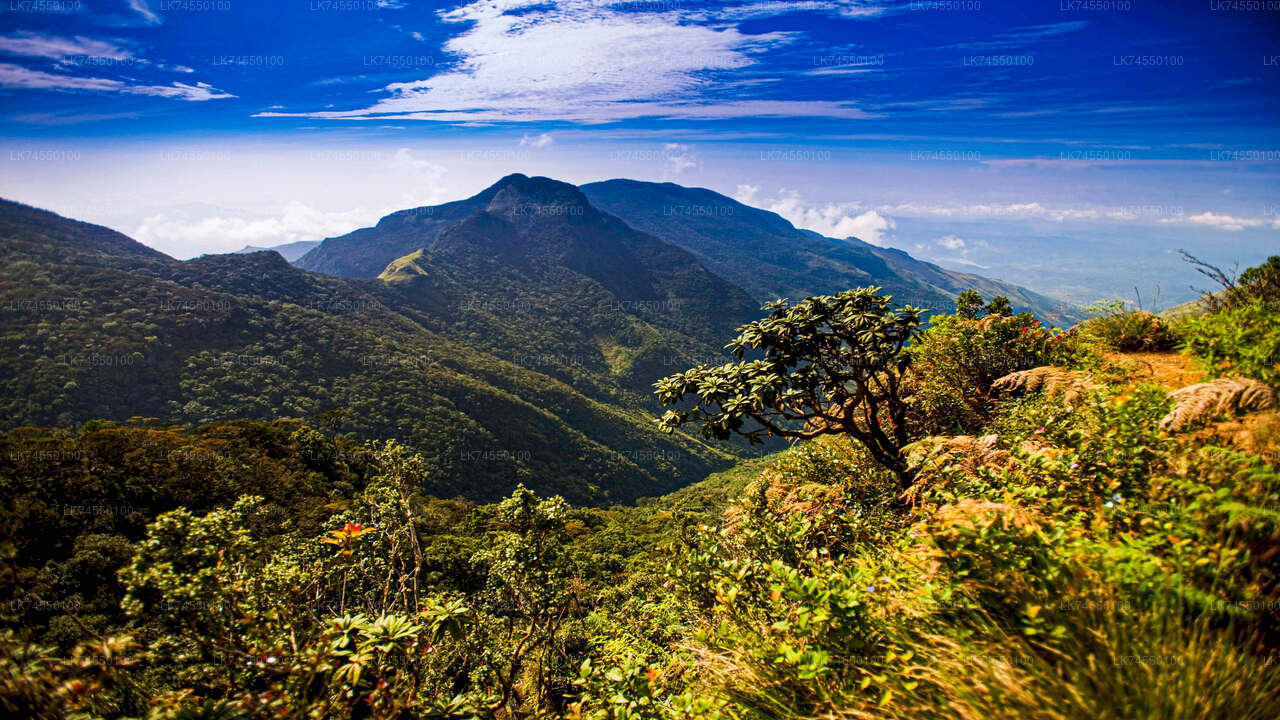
{"x": 957, "y": 359}
{"x": 1243, "y": 340}
{"x": 1128, "y": 330}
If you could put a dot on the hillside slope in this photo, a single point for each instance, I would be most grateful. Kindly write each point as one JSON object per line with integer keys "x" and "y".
{"x": 98, "y": 326}
{"x": 770, "y": 257}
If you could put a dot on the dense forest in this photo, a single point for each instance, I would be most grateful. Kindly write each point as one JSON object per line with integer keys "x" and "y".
{"x": 978, "y": 516}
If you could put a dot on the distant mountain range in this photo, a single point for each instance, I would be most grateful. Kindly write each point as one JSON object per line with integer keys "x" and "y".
{"x": 289, "y": 251}
{"x": 511, "y": 337}
{"x": 755, "y": 249}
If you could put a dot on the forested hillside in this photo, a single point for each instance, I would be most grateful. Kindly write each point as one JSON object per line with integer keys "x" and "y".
{"x": 100, "y": 327}
{"x": 771, "y": 258}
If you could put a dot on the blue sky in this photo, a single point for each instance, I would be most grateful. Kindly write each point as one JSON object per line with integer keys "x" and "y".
{"x": 996, "y": 136}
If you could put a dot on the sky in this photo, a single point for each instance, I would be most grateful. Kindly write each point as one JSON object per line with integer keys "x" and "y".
{"x": 1069, "y": 145}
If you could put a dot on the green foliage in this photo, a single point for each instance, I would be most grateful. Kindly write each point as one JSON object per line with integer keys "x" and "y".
{"x": 1255, "y": 284}
{"x": 836, "y": 362}
{"x": 969, "y": 304}
{"x": 1059, "y": 560}
{"x": 957, "y": 359}
{"x": 813, "y": 595}
{"x": 1263, "y": 281}
{"x": 1127, "y": 330}
{"x": 999, "y": 305}
{"x": 1243, "y": 340}
{"x": 93, "y": 680}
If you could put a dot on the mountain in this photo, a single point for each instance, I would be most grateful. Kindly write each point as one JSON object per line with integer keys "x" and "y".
{"x": 99, "y": 326}
{"x": 754, "y": 249}
{"x": 769, "y": 257}
{"x": 289, "y": 251}
{"x": 367, "y": 251}
{"x": 539, "y": 268}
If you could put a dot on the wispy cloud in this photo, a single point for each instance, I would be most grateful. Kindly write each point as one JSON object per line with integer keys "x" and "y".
{"x": 72, "y": 118}
{"x": 586, "y": 62}
{"x": 423, "y": 168}
{"x": 1144, "y": 213}
{"x": 1018, "y": 37}
{"x": 145, "y": 12}
{"x": 31, "y": 44}
{"x": 18, "y": 77}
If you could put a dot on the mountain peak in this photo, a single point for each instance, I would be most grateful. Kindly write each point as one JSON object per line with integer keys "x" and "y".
{"x": 521, "y": 196}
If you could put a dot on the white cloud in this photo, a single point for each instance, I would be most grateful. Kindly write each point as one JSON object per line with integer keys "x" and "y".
{"x": 832, "y": 220}
{"x": 29, "y": 44}
{"x": 16, "y": 76}
{"x": 678, "y": 158}
{"x": 141, "y": 7}
{"x": 856, "y": 9}
{"x": 403, "y": 159}
{"x": 951, "y": 242}
{"x": 1037, "y": 211}
{"x": 1028, "y": 210}
{"x": 177, "y": 232}
{"x": 1222, "y": 222}
{"x": 537, "y": 141}
{"x": 587, "y": 62}
{"x": 870, "y": 227}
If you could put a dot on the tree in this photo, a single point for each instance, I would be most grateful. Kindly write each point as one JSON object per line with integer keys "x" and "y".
{"x": 1263, "y": 281}
{"x": 532, "y": 590}
{"x": 1000, "y": 306}
{"x": 832, "y": 364}
{"x": 968, "y": 304}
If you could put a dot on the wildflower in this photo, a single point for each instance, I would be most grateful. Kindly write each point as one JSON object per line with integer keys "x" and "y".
{"x": 347, "y": 536}
{"x": 871, "y": 588}
{"x": 1075, "y": 466}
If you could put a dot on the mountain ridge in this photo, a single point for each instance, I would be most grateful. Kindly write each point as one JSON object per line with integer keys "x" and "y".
{"x": 770, "y": 257}
{"x": 755, "y": 249}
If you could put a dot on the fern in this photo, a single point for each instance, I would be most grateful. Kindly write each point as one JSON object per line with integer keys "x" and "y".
{"x": 1197, "y": 404}
{"x": 1052, "y": 381}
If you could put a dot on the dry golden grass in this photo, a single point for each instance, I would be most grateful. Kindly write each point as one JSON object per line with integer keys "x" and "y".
{"x": 1052, "y": 381}
{"x": 929, "y": 457}
{"x": 1203, "y": 402}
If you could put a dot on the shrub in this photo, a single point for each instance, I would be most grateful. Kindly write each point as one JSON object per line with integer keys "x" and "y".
{"x": 1243, "y": 340}
{"x": 957, "y": 360}
{"x": 1128, "y": 330}
{"x": 798, "y": 621}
